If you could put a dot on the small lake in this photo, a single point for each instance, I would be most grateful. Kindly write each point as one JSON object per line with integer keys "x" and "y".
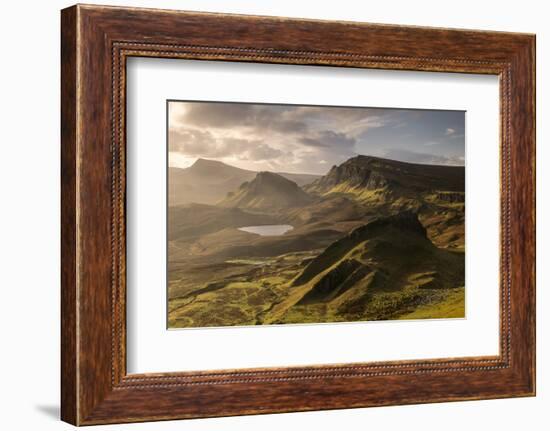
{"x": 268, "y": 230}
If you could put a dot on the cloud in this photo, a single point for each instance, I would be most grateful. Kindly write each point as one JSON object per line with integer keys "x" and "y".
{"x": 423, "y": 158}
{"x": 199, "y": 143}
{"x": 260, "y": 151}
{"x": 281, "y": 119}
{"x": 328, "y": 139}
{"x": 292, "y": 136}
{"x": 308, "y": 138}
{"x": 240, "y": 115}
{"x": 191, "y": 141}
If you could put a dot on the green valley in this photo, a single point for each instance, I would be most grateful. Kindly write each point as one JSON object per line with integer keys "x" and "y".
{"x": 373, "y": 239}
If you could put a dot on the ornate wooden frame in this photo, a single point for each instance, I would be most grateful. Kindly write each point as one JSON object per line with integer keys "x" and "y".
{"x": 95, "y": 42}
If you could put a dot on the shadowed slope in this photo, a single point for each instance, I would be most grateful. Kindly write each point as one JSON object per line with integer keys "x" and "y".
{"x": 384, "y": 267}
{"x": 394, "y": 226}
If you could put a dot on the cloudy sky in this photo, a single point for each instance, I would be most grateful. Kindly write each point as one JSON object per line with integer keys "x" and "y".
{"x": 309, "y": 139}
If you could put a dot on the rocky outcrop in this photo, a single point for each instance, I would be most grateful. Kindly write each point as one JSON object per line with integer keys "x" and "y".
{"x": 374, "y": 173}
{"x": 356, "y": 172}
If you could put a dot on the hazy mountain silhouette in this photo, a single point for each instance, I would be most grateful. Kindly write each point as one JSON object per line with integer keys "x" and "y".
{"x": 209, "y": 181}
{"x": 267, "y": 191}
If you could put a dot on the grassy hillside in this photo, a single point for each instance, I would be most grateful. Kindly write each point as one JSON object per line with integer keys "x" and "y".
{"x": 374, "y": 273}
{"x": 382, "y": 270}
{"x": 383, "y": 187}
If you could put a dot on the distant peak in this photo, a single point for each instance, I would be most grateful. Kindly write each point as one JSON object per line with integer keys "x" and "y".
{"x": 207, "y": 162}
{"x": 265, "y": 177}
{"x": 267, "y": 190}
{"x": 267, "y": 174}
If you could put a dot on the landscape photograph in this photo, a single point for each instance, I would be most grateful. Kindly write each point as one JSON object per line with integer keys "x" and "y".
{"x": 298, "y": 214}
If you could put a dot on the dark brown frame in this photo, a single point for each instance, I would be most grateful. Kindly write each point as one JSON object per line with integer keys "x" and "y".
{"x": 96, "y": 41}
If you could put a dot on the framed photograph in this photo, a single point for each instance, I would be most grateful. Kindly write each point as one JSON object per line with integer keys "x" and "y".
{"x": 345, "y": 237}
{"x": 265, "y": 215}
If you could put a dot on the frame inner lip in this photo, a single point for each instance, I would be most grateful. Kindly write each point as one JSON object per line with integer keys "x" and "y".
{"x": 127, "y": 49}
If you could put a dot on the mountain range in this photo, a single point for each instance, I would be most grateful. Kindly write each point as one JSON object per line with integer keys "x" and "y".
{"x": 368, "y": 173}
{"x": 209, "y": 181}
{"x": 372, "y": 239}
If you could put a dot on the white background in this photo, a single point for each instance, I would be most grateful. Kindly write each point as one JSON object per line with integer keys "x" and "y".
{"x": 151, "y": 348}
{"x": 29, "y": 217}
